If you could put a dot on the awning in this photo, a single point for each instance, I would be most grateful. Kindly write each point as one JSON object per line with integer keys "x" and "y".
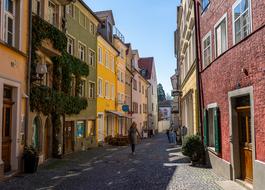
{"x": 119, "y": 114}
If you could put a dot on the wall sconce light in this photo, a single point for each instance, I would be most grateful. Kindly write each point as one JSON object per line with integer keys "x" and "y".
{"x": 41, "y": 70}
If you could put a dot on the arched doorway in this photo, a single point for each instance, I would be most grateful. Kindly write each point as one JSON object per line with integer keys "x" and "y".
{"x": 47, "y": 138}
{"x": 36, "y": 136}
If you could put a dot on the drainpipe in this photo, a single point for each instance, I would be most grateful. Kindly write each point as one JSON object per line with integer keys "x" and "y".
{"x": 198, "y": 62}
{"x": 28, "y": 74}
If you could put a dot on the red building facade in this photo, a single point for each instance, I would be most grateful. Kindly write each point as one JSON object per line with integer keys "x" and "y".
{"x": 232, "y": 79}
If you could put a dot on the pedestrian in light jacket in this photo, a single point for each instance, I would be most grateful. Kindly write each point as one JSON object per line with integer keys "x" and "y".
{"x": 133, "y": 136}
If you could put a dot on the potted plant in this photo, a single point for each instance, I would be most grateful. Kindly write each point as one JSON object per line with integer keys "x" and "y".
{"x": 193, "y": 148}
{"x": 31, "y": 159}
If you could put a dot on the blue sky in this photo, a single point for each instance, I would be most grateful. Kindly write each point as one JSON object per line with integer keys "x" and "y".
{"x": 149, "y": 26}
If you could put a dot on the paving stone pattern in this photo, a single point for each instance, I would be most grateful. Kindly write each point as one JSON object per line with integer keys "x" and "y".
{"x": 156, "y": 165}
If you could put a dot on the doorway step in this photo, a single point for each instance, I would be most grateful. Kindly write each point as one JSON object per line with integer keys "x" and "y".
{"x": 233, "y": 185}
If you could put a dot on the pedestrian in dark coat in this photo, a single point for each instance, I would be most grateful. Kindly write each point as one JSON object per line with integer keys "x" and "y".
{"x": 133, "y": 136}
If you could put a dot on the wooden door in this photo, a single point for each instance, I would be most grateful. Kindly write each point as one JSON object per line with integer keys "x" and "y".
{"x": 6, "y": 135}
{"x": 245, "y": 142}
{"x": 69, "y": 137}
{"x": 47, "y": 138}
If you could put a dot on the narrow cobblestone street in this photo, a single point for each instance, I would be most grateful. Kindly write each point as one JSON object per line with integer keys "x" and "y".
{"x": 156, "y": 165}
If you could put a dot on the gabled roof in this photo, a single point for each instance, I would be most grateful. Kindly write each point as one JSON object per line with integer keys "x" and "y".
{"x": 89, "y": 10}
{"x": 104, "y": 14}
{"x": 146, "y": 63}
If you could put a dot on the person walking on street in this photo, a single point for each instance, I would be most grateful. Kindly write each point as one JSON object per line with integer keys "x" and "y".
{"x": 133, "y": 136}
{"x": 168, "y": 137}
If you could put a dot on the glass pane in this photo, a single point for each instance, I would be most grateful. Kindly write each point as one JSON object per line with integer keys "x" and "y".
{"x": 80, "y": 127}
{"x": 7, "y": 122}
{"x": 237, "y": 11}
{"x": 7, "y": 93}
{"x": 243, "y": 128}
{"x": 237, "y": 31}
{"x": 9, "y": 6}
{"x": 244, "y": 5}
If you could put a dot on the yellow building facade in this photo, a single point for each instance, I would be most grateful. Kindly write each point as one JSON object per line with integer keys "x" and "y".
{"x": 120, "y": 72}
{"x": 187, "y": 64}
{"x": 13, "y": 83}
{"x": 106, "y": 89}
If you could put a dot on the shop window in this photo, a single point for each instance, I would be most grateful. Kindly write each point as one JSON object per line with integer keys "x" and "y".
{"x": 80, "y": 129}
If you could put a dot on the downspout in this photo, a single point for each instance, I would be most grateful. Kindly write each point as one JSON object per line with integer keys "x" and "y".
{"x": 198, "y": 63}
{"x": 29, "y": 71}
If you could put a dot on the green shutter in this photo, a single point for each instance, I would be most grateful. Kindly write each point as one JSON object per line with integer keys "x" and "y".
{"x": 217, "y": 131}
{"x": 205, "y": 127}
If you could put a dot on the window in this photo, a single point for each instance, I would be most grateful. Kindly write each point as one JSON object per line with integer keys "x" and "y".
{"x": 70, "y": 10}
{"x": 140, "y": 108}
{"x": 142, "y": 89}
{"x": 241, "y": 20}
{"x": 107, "y": 59}
{"x": 220, "y": 36}
{"x": 134, "y": 84}
{"x": 82, "y": 19}
{"x": 212, "y": 136}
{"x": 9, "y": 23}
{"x": 82, "y": 50}
{"x": 140, "y": 86}
{"x": 91, "y": 90}
{"x": 99, "y": 54}
{"x": 80, "y": 129}
{"x": 82, "y": 92}
{"x": 205, "y": 4}
{"x": 73, "y": 86}
{"x": 91, "y": 58}
{"x": 92, "y": 28}
{"x": 135, "y": 107}
{"x": 52, "y": 12}
{"x": 122, "y": 78}
{"x": 70, "y": 45}
{"x": 119, "y": 75}
{"x": 112, "y": 92}
{"x": 121, "y": 53}
{"x": 207, "y": 58}
{"x": 106, "y": 89}
{"x": 100, "y": 87}
{"x": 90, "y": 128}
{"x": 112, "y": 64}
{"x": 36, "y": 7}
{"x": 152, "y": 106}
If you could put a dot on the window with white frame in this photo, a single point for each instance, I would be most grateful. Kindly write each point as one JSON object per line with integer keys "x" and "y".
{"x": 91, "y": 57}
{"x": 82, "y": 19}
{"x": 106, "y": 89}
{"x": 241, "y": 20}
{"x": 92, "y": 28}
{"x": 36, "y": 7}
{"x": 9, "y": 22}
{"x": 112, "y": 92}
{"x": 100, "y": 93}
{"x": 91, "y": 90}
{"x": 207, "y": 51}
{"x": 220, "y": 31}
{"x": 112, "y": 63}
{"x": 70, "y": 10}
{"x": 107, "y": 59}
{"x": 52, "y": 13}
{"x": 70, "y": 45}
{"x": 82, "y": 51}
{"x": 82, "y": 92}
{"x": 122, "y": 77}
{"x": 211, "y": 134}
{"x": 99, "y": 54}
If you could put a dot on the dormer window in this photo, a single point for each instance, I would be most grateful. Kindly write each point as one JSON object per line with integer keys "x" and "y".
{"x": 36, "y": 7}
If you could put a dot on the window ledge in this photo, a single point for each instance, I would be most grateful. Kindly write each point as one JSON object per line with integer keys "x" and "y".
{"x": 212, "y": 150}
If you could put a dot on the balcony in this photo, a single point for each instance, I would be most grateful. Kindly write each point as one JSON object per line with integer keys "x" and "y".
{"x": 118, "y": 34}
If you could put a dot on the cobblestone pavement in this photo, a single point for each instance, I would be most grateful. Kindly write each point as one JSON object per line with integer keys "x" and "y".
{"x": 156, "y": 165}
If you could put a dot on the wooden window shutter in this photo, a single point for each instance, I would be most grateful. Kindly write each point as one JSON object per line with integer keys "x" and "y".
{"x": 217, "y": 130}
{"x": 205, "y": 127}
